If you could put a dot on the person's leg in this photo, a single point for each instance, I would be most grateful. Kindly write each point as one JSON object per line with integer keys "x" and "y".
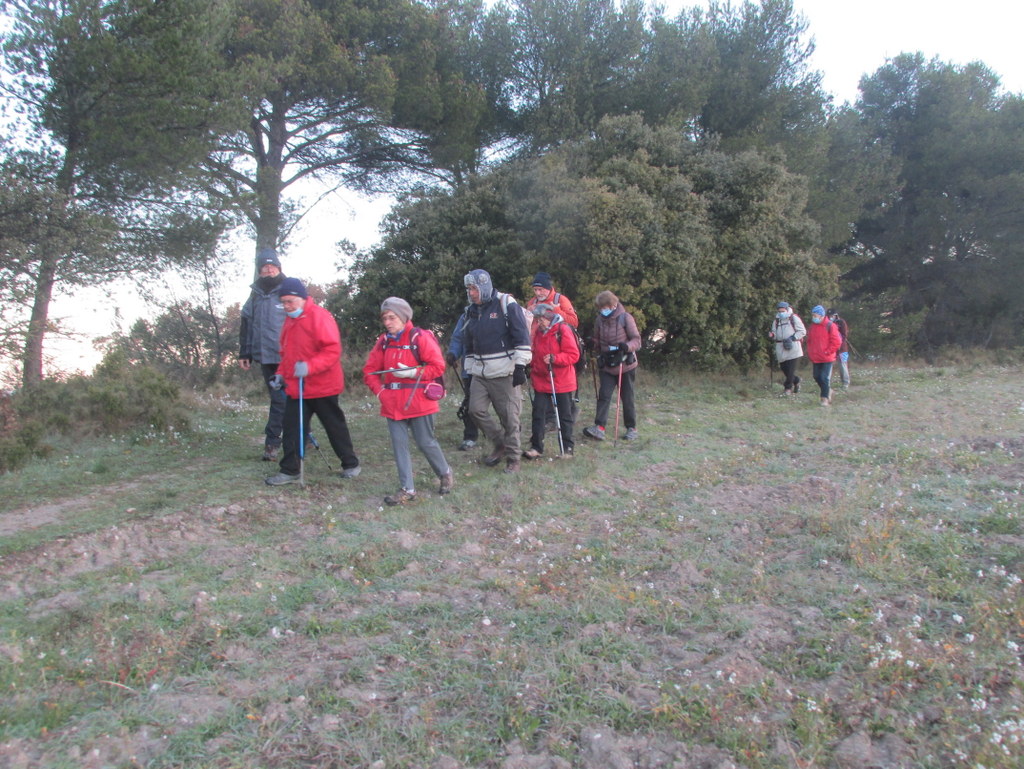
{"x": 541, "y": 408}
{"x": 399, "y": 434}
{"x": 567, "y": 419}
{"x": 470, "y": 432}
{"x": 626, "y": 393}
{"x": 423, "y": 433}
{"x": 480, "y": 411}
{"x": 604, "y": 397}
{"x": 275, "y": 417}
{"x": 290, "y": 444}
{"x": 508, "y": 404}
{"x": 788, "y": 368}
{"x": 844, "y": 368}
{"x": 331, "y": 416}
{"x": 826, "y": 379}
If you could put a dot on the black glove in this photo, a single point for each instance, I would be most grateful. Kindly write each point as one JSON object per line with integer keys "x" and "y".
{"x": 276, "y": 382}
{"x": 792, "y": 338}
{"x": 519, "y": 375}
{"x": 450, "y": 359}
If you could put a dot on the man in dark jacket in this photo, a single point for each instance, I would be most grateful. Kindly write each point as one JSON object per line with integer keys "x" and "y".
{"x": 497, "y": 351}
{"x": 259, "y": 341}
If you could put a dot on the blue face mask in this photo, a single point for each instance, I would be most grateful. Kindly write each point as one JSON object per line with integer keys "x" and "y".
{"x": 816, "y": 319}
{"x": 782, "y": 315}
{"x": 294, "y": 313}
{"x": 607, "y": 311}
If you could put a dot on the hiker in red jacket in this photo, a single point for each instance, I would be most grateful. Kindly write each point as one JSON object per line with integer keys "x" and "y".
{"x": 310, "y": 352}
{"x": 823, "y": 342}
{"x": 555, "y": 353}
{"x": 402, "y": 365}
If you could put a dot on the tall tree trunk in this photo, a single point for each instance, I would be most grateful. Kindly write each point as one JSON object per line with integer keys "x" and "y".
{"x": 32, "y": 360}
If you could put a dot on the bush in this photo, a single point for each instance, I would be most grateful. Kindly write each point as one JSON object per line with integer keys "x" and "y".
{"x": 117, "y": 398}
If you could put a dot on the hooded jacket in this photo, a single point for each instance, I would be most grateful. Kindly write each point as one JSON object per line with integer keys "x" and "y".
{"x": 784, "y": 328}
{"x": 616, "y": 330}
{"x": 259, "y": 338}
{"x": 558, "y": 340}
{"x": 495, "y": 338}
{"x": 312, "y": 337}
{"x": 393, "y": 392}
{"x": 823, "y": 341}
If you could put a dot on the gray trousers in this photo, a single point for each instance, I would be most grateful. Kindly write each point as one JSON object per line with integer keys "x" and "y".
{"x": 422, "y": 429}
{"x": 508, "y": 404}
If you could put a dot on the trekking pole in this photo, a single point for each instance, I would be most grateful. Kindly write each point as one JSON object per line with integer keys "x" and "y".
{"x": 554, "y": 405}
{"x": 412, "y": 390}
{"x": 618, "y": 402}
{"x": 316, "y": 445}
{"x": 302, "y": 442}
{"x": 593, "y": 373}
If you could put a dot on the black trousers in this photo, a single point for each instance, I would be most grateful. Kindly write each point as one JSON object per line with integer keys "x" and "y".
{"x": 329, "y": 412}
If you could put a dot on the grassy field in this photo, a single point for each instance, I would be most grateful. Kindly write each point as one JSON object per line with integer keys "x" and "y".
{"x": 756, "y": 582}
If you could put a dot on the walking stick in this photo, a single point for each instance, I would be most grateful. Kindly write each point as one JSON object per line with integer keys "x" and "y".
{"x": 316, "y": 445}
{"x": 593, "y": 373}
{"x": 554, "y": 405}
{"x": 412, "y": 390}
{"x": 618, "y": 401}
{"x": 302, "y": 442}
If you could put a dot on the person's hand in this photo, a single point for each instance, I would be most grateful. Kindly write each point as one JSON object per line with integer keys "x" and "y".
{"x": 450, "y": 359}
{"x": 792, "y": 338}
{"x": 406, "y": 373}
{"x": 771, "y": 334}
{"x": 245, "y": 363}
{"x": 301, "y": 369}
{"x": 519, "y": 375}
{"x": 549, "y": 358}
{"x": 276, "y": 382}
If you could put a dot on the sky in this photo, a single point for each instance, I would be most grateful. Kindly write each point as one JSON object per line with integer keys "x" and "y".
{"x": 851, "y": 39}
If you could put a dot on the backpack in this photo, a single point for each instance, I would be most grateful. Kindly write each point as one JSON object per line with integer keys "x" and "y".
{"x": 581, "y": 363}
{"x": 435, "y": 389}
{"x": 505, "y": 300}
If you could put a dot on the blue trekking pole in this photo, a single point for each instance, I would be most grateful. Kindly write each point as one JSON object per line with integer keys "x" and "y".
{"x": 302, "y": 442}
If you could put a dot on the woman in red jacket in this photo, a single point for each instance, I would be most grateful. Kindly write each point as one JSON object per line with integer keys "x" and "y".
{"x": 555, "y": 353}
{"x": 823, "y": 342}
{"x": 404, "y": 360}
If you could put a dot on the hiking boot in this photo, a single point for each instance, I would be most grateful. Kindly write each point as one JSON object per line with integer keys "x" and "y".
{"x": 270, "y": 454}
{"x": 492, "y": 459}
{"x": 351, "y": 472}
{"x": 447, "y": 482}
{"x": 786, "y": 393}
{"x": 281, "y": 479}
{"x": 594, "y": 431}
{"x": 796, "y": 385}
{"x": 466, "y": 445}
{"x": 400, "y": 497}
{"x": 567, "y": 454}
{"x": 531, "y": 454}
{"x": 826, "y": 401}
{"x": 631, "y": 434}
{"x": 511, "y": 466}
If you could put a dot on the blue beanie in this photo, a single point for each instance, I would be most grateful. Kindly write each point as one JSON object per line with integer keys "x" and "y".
{"x": 782, "y": 306}
{"x": 292, "y": 287}
{"x": 818, "y": 310}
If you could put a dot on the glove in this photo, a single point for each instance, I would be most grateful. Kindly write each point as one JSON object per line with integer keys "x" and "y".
{"x": 771, "y": 334}
{"x": 792, "y": 338}
{"x": 450, "y": 359}
{"x": 519, "y": 376}
{"x": 406, "y": 373}
{"x": 276, "y": 382}
{"x": 613, "y": 348}
{"x": 301, "y": 369}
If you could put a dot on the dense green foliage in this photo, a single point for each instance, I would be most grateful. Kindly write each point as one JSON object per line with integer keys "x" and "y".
{"x": 691, "y": 164}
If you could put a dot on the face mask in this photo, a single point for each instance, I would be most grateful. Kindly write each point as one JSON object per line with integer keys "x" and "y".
{"x": 607, "y": 311}
{"x": 816, "y": 319}
{"x": 782, "y": 315}
{"x": 294, "y": 313}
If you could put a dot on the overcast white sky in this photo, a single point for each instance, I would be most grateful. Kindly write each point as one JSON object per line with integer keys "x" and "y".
{"x": 852, "y": 38}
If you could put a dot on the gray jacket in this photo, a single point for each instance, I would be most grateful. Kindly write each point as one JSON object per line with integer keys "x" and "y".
{"x": 785, "y": 329}
{"x": 259, "y": 338}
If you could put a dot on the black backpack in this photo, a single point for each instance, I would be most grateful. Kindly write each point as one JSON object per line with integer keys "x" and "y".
{"x": 581, "y": 362}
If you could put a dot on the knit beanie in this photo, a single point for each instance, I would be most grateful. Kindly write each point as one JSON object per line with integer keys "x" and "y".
{"x": 398, "y": 306}
{"x": 818, "y": 310}
{"x": 542, "y": 279}
{"x": 782, "y": 306}
{"x": 292, "y": 287}
{"x": 544, "y": 311}
{"x": 267, "y": 256}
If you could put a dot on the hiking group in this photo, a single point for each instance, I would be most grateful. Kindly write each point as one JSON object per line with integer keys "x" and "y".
{"x": 826, "y": 340}
{"x": 497, "y": 345}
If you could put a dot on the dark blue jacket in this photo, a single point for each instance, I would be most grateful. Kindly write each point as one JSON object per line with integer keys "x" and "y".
{"x": 495, "y": 337}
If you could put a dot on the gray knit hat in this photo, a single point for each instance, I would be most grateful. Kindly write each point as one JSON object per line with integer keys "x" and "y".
{"x": 398, "y": 306}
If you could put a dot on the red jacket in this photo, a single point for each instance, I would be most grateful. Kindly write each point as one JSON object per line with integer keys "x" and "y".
{"x": 557, "y": 340}
{"x": 823, "y": 341}
{"x": 392, "y": 391}
{"x": 312, "y": 337}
